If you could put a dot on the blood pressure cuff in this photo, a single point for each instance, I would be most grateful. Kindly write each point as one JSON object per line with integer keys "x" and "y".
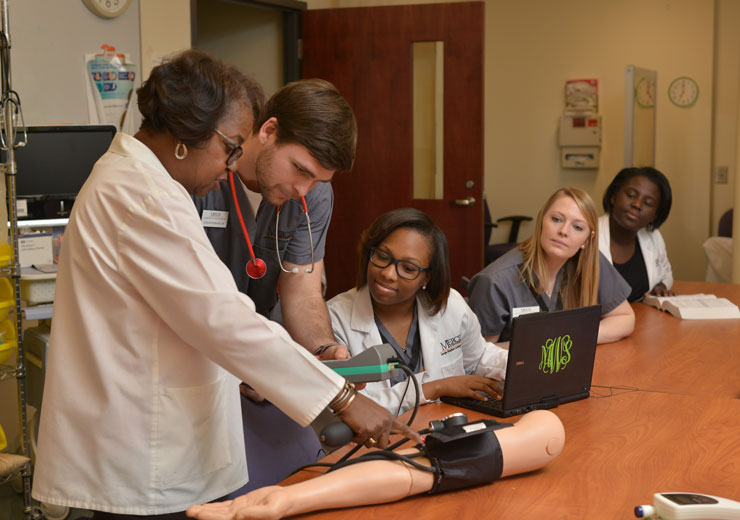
{"x": 465, "y": 455}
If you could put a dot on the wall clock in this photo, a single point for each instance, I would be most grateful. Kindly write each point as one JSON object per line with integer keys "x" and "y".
{"x": 683, "y": 91}
{"x": 107, "y": 8}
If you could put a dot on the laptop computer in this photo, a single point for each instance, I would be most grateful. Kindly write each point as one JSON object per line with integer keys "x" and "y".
{"x": 551, "y": 360}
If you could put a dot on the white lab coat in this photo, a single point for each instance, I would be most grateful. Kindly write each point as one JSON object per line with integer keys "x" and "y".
{"x": 141, "y": 412}
{"x": 451, "y": 344}
{"x": 653, "y": 250}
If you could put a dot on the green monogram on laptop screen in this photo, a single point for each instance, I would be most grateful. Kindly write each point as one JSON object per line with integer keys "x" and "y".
{"x": 555, "y": 354}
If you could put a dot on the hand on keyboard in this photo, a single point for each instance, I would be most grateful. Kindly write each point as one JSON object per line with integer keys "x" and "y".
{"x": 474, "y": 387}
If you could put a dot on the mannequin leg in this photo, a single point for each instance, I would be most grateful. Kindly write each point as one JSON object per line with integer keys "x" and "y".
{"x": 535, "y": 440}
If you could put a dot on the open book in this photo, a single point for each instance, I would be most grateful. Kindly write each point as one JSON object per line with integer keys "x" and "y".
{"x": 695, "y": 306}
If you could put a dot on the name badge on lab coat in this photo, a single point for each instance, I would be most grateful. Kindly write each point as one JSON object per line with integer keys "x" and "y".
{"x": 213, "y": 218}
{"x": 518, "y": 311}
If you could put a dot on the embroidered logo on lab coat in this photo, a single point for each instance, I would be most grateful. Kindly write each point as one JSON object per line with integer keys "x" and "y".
{"x": 451, "y": 344}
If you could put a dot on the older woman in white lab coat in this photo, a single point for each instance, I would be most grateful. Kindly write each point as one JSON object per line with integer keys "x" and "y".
{"x": 141, "y": 411}
{"x": 403, "y": 298}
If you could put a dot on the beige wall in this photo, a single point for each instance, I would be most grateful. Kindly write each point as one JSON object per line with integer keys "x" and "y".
{"x": 164, "y": 29}
{"x": 248, "y": 37}
{"x": 533, "y": 46}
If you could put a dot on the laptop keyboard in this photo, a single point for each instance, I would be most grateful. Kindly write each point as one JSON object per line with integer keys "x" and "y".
{"x": 475, "y": 404}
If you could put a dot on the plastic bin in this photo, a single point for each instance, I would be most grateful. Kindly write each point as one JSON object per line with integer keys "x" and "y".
{"x": 8, "y": 339}
{"x": 6, "y": 254}
{"x": 7, "y": 299}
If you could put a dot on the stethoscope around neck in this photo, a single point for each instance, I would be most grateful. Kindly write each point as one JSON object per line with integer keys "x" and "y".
{"x": 256, "y": 267}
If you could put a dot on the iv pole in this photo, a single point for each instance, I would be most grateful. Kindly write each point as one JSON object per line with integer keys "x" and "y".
{"x": 10, "y": 110}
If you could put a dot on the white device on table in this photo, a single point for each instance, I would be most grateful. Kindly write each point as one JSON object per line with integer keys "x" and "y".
{"x": 685, "y": 506}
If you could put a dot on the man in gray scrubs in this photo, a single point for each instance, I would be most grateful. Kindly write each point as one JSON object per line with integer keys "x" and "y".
{"x": 305, "y": 133}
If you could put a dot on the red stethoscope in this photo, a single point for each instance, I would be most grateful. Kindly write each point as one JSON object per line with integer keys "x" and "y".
{"x": 256, "y": 267}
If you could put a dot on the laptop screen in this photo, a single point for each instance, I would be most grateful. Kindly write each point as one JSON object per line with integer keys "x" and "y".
{"x": 551, "y": 356}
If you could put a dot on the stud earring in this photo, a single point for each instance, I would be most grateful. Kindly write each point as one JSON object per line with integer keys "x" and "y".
{"x": 424, "y": 287}
{"x": 181, "y": 151}
{"x": 583, "y": 246}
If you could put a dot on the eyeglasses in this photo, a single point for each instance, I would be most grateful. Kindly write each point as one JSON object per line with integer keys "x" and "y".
{"x": 405, "y": 269}
{"x": 236, "y": 150}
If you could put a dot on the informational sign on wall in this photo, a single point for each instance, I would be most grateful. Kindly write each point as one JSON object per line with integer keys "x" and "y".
{"x": 111, "y": 78}
{"x": 581, "y": 96}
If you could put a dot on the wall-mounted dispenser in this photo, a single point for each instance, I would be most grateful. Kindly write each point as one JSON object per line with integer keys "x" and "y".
{"x": 580, "y": 125}
{"x": 580, "y": 141}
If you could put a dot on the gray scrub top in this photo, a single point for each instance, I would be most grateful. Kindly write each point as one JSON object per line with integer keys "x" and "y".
{"x": 498, "y": 289}
{"x": 293, "y": 238}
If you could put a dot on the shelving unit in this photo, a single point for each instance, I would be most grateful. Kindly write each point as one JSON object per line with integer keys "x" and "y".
{"x": 11, "y": 116}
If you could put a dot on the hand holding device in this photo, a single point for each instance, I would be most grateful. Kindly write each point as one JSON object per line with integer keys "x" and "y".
{"x": 372, "y": 424}
{"x": 373, "y": 364}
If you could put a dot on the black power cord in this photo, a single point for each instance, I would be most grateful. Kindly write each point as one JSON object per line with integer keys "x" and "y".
{"x": 345, "y": 460}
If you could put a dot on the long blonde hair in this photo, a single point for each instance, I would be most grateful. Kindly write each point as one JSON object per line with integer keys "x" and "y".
{"x": 580, "y": 284}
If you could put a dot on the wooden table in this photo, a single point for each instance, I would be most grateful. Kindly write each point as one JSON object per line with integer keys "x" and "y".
{"x": 667, "y": 354}
{"x": 679, "y": 432}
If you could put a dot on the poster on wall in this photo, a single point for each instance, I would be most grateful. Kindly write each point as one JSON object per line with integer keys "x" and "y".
{"x": 110, "y": 84}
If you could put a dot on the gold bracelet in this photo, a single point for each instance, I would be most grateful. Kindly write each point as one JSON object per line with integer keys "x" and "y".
{"x": 341, "y": 396}
{"x": 342, "y": 401}
{"x": 346, "y": 405}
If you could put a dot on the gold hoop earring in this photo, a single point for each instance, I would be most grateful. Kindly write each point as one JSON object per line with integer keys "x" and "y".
{"x": 181, "y": 151}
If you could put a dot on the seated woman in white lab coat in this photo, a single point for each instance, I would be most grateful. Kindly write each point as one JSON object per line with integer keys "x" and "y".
{"x": 403, "y": 298}
{"x": 637, "y": 202}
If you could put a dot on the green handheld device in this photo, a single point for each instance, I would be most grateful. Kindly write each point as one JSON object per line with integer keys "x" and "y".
{"x": 374, "y": 364}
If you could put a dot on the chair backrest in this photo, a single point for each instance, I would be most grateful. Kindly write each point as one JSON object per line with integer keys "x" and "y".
{"x": 488, "y": 224}
{"x": 724, "y": 229}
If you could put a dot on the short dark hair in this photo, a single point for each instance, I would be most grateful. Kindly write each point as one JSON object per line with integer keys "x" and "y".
{"x": 438, "y": 289}
{"x": 653, "y": 175}
{"x": 312, "y": 113}
{"x": 190, "y": 93}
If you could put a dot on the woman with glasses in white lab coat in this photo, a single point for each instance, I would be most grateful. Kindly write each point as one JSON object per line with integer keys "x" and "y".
{"x": 403, "y": 297}
{"x": 150, "y": 337}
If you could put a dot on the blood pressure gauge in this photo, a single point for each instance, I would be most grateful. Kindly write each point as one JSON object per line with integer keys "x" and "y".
{"x": 688, "y": 506}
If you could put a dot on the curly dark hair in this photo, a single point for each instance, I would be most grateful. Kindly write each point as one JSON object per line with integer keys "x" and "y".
{"x": 654, "y": 176}
{"x": 190, "y": 93}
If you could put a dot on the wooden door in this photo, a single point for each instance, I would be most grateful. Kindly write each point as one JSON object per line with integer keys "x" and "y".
{"x": 367, "y": 54}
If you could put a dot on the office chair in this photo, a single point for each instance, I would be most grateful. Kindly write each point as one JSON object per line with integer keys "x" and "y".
{"x": 718, "y": 250}
{"x": 493, "y": 251}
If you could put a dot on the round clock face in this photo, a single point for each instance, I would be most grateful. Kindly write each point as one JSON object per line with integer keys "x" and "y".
{"x": 683, "y": 91}
{"x": 645, "y": 93}
{"x": 107, "y": 8}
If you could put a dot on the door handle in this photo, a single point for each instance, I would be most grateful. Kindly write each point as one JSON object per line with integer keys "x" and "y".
{"x": 469, "y": 201}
